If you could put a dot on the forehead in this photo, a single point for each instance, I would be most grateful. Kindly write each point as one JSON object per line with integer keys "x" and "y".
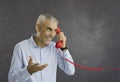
{"x": 51, "y": 24}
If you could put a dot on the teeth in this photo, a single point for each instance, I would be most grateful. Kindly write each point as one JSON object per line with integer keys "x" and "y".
{"x": 49, "y": 38}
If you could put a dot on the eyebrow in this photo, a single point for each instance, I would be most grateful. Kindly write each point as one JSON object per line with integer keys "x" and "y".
{"x": 50, "y": 28}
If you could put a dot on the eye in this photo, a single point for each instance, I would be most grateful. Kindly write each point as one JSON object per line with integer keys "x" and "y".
{"x": 49, "y": 29}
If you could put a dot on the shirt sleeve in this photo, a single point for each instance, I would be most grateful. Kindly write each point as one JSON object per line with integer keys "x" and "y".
{"x": 17, "y": 72}
{"x": 64, "y": 65}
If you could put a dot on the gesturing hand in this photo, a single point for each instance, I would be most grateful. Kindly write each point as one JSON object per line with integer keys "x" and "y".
{"x": 34, "y": 67}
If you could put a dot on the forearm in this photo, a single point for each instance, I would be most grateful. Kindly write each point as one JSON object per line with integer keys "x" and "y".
{"x": 64, "y": 65}
{"x": 69, "y": 67}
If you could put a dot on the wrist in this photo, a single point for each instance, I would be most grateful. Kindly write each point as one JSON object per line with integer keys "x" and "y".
{"x": 30, "y": 72}
{"x": 64, "y": 48}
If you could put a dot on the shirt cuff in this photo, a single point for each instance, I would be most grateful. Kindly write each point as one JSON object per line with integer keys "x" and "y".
{"x": 66, "y": 53}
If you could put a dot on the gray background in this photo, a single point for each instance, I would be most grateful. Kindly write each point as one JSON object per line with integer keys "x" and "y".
{"x": 92, "y": 28}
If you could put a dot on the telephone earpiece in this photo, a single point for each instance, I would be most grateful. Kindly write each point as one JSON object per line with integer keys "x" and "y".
{"x": 60, "y": 42}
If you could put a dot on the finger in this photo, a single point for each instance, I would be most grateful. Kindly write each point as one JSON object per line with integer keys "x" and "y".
{"x": 30, "y": 60}
{"x": 60, "y": 33}
{"x": 40, "y": 67}
{"x": 43, "y": 66}
{"x": 35, "y": 64}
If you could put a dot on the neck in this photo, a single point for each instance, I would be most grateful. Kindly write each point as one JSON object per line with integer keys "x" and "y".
{"x": 38, "y": 41}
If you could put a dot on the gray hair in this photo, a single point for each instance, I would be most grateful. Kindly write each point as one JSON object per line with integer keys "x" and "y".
{"x": 43, "y": 17}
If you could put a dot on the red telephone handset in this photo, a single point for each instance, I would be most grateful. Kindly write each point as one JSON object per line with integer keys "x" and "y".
{"x": 60, "y": 42}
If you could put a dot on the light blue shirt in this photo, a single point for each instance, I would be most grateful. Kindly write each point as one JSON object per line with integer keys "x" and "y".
{"x": 48, "y": 55}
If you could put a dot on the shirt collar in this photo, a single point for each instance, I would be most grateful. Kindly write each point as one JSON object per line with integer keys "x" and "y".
{"x": 32, "y": 42}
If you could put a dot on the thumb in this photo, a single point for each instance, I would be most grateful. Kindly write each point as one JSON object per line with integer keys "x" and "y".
{"x": 30, "y": 60}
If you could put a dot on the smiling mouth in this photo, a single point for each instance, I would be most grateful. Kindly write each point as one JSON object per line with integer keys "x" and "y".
{"x": 48, "y": 38}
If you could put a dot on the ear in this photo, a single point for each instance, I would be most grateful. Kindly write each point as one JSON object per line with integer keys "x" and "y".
{"x": 37, "y": 27}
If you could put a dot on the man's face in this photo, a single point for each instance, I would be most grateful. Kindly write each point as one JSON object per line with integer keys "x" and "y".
{"x": 47, "y": 32}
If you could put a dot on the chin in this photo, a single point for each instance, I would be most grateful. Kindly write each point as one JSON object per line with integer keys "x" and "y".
{"x": 47, "y": 42}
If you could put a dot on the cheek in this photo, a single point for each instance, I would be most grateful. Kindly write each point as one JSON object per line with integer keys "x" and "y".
{"x": 47, "y": 33}
{"x": 42, "y": 34}
{"x": 54, "y": 34}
